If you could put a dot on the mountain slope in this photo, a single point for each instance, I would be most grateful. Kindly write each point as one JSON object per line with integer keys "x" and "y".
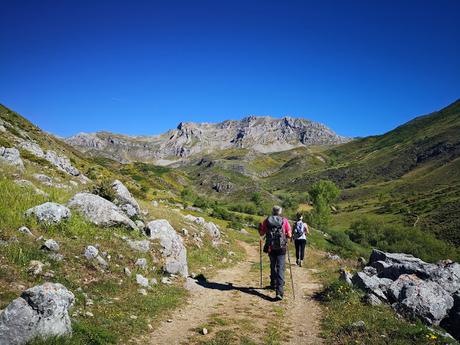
{"x": 258, "y": 134}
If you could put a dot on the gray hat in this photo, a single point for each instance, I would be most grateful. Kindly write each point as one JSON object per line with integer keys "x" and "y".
{"x": 277, "y": 210}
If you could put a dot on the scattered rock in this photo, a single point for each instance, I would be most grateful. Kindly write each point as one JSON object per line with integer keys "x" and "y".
{"x": 51, "y": 245}
{"x": 204, "y": 331}
{"x": 143, "y": 292}
{"x": 153, "y": 281}
{"x": 25, "y": 230}
{"x": 11, "y": 156}
{"x": 127, "y": 271}
{"x": 166, "y": 280}
{"x": 185, "y": 232}
{"x": 102, "y": 263}
{"x": 194, "y": 209}
{"x": 35, "y": 267}
{"x": 89, "y": 314}
{"x": 333, "y": 256}
{"x": 244, "y": 232}
{"x": 173, "y": 248}
{"x": 346, "y": 276}
{"x": 154, "y": 203}
{"x": 56, "y": 256}
{"x": 359, "y": 325}
{"x": 49, "y": 212}
{"x": 142, "y": 281}
{"x": 141, "y": 263}
{"x": 142, "y": 246}
{"x": 99, "y": 211}
{"x": 91, "y": 252}
{"x": 41, "y": 311}
{"x": 33, "y": 148}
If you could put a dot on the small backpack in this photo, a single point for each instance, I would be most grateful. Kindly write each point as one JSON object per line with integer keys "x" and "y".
{"x": 299, "y": 229}
{"x": 276, "y": 238}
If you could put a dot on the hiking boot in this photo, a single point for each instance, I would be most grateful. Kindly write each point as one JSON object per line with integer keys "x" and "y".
{"x": 297, "y": 261}
{"x": 279, "y": 297}
{"x": 300, "y": 263}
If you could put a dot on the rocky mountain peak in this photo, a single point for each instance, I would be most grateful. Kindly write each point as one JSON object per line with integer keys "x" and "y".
{"x": 257, "y": 133}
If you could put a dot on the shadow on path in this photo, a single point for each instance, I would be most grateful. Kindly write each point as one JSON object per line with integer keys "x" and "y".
{"x": 229, "y": 287}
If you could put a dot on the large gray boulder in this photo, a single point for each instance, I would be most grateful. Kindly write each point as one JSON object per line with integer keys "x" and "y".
{"x": 62, "y": 163}
{"x": 372, "y": 284}
{"x": 422, "y": 298}
{"x": 33, "y": 148}
{"x": 49, "y": 213}
{"x": 99, "y": 211}
{"x": 392, "y": 265}
{"x": 125, "y": 200}
{"x": 41, "y": 311}
{"x": 447, "y": 274}
{"x": 173, "y": 248}
{"x": 11, "y": 156}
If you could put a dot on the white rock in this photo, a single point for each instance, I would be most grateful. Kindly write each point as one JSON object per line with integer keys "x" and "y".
{"x": 142, "y": 281}
{"x": 91, "y": 252}
{"x": 141, "y": 263}
{"x": 51, "y": 245}
{"x": 25, "y": 230}
{"x": 11, "y": 156}
{"x": 49, "y": 212}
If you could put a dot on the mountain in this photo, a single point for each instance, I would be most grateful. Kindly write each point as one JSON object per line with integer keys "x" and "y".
{"x": 257, "y": 133}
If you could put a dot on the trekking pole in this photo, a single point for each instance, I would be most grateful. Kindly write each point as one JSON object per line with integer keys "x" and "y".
{"x": 290, "y": 270}
{"x": 260, "y": 257}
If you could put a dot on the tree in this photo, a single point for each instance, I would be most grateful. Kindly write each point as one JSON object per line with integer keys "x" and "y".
{"x": 323, "y": 194}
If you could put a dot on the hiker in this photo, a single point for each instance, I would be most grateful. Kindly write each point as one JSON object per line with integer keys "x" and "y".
{"x": 301, "y": 231}
{"x": 277, "y": 231}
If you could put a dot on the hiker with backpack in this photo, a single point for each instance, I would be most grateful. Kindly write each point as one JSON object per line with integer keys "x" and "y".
{"x": 277, "y": 231}
{"x": 301, "y": 231}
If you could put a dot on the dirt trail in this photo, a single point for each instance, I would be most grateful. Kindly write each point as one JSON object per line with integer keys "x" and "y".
{"x": 232, "y": 302}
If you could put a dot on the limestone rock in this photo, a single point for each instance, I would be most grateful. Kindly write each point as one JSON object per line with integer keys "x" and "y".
{"x": 99, "y": 211}
{"x": 142, "y": 246}
{"x": 49, "y": 212}
{"x": 41, "y": 311}
{"x": 62, "y": 163}
{"x": 25, "y": 230}
{"x": 125, "y": 200}
{"x": 173, "y": 248}
{"x": 11, "y": 156}
{"x": 51, "y": 245}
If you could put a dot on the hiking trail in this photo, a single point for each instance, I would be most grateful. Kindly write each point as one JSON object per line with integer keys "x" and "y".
{"x": 231, "y": 305}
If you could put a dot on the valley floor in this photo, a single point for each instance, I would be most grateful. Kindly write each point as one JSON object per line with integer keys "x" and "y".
{"x": 232, "y": 307}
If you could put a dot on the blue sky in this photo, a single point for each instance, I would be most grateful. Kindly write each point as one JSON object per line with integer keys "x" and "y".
{"x": 141, "y": 67}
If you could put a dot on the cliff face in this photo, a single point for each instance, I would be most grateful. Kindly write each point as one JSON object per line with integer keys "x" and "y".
{"x": 262, "y": 134}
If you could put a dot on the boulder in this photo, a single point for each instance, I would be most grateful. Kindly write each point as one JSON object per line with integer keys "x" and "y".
{"x": 11, "y": 156}
{"x": 99, "y": 211}
{"x": 33, "y": 148}
{"x": 51, "y": 245}
{"x": 447, "y": 274}
{"x": 371, "y": 284}
{"x": 392, "y": 265}
{"x": 49, "y": 212}
{"x": 422, "y": 298}
{"x": 173, "y": 248}
{"x": 125, "y": 200}
{"x": 62, "y": 163}
{"x": 41, "y": 311}
{"x": 142, "y": 246}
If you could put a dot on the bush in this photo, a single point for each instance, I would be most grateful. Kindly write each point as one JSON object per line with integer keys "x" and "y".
{"x": 398, "y": 238}
{"x": 104, "y": 189}
{"x": 341, "y": 239}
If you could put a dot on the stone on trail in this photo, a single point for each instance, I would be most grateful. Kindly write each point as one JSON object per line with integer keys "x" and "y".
{"x": 41, "y": 311}
{"x": 173, "y": 249}
{"x": 99, "y": 211}
{"x": 49, "y": 213}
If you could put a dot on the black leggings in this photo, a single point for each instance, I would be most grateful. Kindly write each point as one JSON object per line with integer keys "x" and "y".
{"x": 300, "y": 249}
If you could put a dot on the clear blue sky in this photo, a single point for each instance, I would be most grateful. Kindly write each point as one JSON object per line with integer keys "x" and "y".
{"x": 140, "y": 67}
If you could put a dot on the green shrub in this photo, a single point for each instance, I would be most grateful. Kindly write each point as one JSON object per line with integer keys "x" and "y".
{"x": 104, "y": 189}
{"x": 398, "y": 238}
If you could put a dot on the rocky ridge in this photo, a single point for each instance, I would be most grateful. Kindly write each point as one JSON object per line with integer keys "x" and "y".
{"x": 258, "y": 133}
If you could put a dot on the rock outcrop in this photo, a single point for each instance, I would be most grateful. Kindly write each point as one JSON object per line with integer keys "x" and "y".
{"x": 49, "y": 212}
{"x": 173, "y": 249}
{"x": 414, "y": 288}
{"x": 99, "y": 211}
{"x": 125, "y": 200}
{"x": 41, "y": 311}
{"x": 11, "y": 156}
{"x": 258, "y": 133}
{"x": 211, "y": 228}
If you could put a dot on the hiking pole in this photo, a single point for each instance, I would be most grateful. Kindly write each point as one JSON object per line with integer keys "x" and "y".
{"x": 260, "y": 257}
{"x": 290, "y": 270}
